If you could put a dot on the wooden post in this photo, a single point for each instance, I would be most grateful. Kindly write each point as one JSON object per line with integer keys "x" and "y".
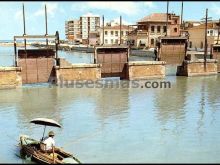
{"x": 103, "y": 31}
{"x": 205, "y": 53}
{"x": 182, "y": 16}
{"x": 120, "y": 31}
{"x": 15, "y": 51}
{"x": 24, "y": 27}
{"x": 167, "y": 16}
{"x": 46, "y": 24}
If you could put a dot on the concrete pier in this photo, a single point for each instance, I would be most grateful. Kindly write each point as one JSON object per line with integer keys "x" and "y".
{"x": 197, "y": 68}
{"x": 78, "y": 72}
{"x": 10, "y": 77}
{"x": 138, "y": 70}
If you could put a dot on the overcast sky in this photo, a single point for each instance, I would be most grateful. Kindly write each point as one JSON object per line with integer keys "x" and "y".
{"x": 58, "y": 12}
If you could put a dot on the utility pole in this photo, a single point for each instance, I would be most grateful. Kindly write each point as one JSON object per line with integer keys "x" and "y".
{"x": 205, "y": 56}
{"x": 103, "y": 31}
{"x": 167, "y": 17}
{"x": 88, "y": 31}
{"x": 46, "y": 23}
{"x": 206, "y": 46}
{"x": 25, "y": 43}
{"x": 120, "y": 31}
{"x": 182, "y": 16}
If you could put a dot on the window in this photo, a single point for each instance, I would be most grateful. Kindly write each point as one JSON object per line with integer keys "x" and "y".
{"x": 111, "y": 41}
{"x": 211, "y": 32}
{"x": 112, "y": 33}
{"x": 126, "y": 33}
{"x": 175, "y": 21}
{"x": 158, "y": 29}
{"x": 152, "y": 29}
{"x": 164, "y": 29}
{"x": 116, "y": 33}
{"x": 122, "y": 33}
{"x": 116, "y": 41}
{"x": 152, "y": 41}
{"x": 106, "y": 41}
{"x": 175, "y": 30}
{"x": 106, "y": 32}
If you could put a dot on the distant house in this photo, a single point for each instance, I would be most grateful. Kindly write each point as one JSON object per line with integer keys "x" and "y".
{"x": 153, "y": 26}
{"x": 112, "y": 34}
{"x": 197, "y": 35}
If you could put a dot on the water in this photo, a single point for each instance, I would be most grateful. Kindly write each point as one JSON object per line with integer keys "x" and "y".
{"x": 125, "y": 125}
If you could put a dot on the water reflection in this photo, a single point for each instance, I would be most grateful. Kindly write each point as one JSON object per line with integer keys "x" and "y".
{"x": 170, "y": 103}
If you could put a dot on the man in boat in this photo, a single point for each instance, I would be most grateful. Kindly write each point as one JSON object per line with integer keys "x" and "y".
{"x": 50, "y": 143}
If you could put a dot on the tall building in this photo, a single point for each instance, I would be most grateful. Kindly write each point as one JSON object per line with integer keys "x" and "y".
{"x": 89, "y": 24}
{"x": 72, "y": 30}
{"x": 152, "y": 26}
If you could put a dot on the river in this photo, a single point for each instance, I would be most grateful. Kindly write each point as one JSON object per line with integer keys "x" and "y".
{"x": 180, "y": 124}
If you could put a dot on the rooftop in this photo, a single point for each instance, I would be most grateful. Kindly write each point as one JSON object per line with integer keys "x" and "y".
{"x": 156, "y": 17}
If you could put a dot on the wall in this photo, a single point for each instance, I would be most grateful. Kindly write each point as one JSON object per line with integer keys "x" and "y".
{"x": 78, "y": 72}
{"x": 145, "y": 70}
{"x": 197, "y": 68}
{"x": 10, "y": 77}
{"x": 197, "y": 36}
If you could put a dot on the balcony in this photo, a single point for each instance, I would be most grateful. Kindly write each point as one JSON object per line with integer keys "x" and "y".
{"x": 142, "y": 33}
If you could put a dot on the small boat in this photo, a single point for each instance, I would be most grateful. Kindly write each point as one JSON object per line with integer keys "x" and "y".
{"x": 35, "y": 150}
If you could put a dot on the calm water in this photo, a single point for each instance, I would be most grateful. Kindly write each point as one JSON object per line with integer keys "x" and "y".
{"x": 125, "y": 125}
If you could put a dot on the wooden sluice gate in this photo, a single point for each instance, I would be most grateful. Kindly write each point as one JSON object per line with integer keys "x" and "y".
{"x": 215, "y": 53}
{"x": 37, "y": 65}
{"x": 172, "y": 50}
{"x": 112, "y": 60}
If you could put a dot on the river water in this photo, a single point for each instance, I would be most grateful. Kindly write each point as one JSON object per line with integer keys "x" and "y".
{"x": 180, "y": 124}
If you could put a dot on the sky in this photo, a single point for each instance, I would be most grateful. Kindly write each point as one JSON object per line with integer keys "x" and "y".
{"x": 11, "y": 19}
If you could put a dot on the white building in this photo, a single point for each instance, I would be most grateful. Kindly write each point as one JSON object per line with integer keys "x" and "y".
{"x": 89, "y": 23}
{"x": 112, "y": 34}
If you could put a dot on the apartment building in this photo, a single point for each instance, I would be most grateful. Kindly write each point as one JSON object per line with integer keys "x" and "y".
{"x": 72, "y": 30}
{"x": 89, "y": 24}
{"x": 153, "y": 26}
{"x": 81, "y": 30}
{"x": 112, "y": 34}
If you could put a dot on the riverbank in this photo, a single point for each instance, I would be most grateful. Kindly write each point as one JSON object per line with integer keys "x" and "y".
{"x": 9, "y": 44}
{"x": 78, "y": 48}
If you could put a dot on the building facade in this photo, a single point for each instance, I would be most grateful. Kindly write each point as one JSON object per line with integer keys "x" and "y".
{"x": 112, "y": 34}
{"x": 197, "y": 35}
{"x": 153, "y": 26}
{"x": 89, "y": 25}
{"x": 81, "y": 30}
{"x": 72, "y": 30}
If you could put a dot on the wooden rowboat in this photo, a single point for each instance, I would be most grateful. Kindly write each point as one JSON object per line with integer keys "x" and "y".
{"x": 35, "y": 150}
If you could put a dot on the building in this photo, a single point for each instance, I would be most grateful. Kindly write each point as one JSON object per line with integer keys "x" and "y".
{"x": 112, "y": 34}
{"x": 88, "y": 24}
{"x": 72, "y": 30}
{"x": 81, "y": 30}
{"x": 197, "y": 35}
{"x": 153, "y": 26}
